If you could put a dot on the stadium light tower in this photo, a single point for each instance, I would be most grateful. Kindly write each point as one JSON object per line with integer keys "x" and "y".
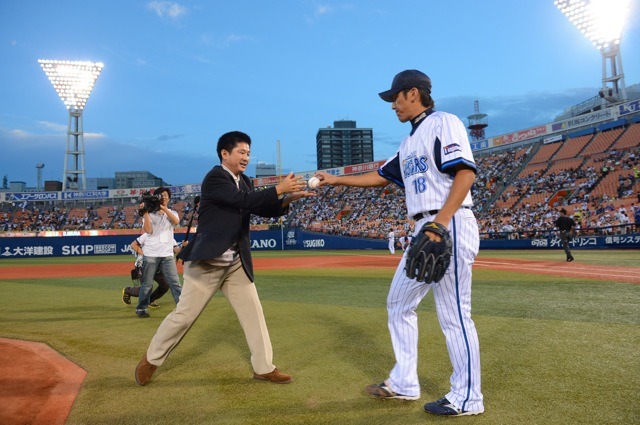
{"x": 73, "y": 82}
{"x": 477, "y": 122}
{"x": 601, "y": 22}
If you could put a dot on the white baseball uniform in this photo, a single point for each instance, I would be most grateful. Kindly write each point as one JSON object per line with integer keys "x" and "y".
{"x": 392, "y": 242}
{"x": 437, "y": 143}
{"x": 402, "y": 241}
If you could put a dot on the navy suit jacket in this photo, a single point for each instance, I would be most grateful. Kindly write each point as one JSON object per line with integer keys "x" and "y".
{"x": 223, "y": 217}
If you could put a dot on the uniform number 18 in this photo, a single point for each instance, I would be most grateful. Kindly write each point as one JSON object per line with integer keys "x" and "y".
{"x": 420, "y": 185}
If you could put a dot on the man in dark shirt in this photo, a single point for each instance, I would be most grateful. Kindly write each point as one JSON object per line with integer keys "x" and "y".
{"x": 566, "y": 225}
{"x": 218, "y": 258}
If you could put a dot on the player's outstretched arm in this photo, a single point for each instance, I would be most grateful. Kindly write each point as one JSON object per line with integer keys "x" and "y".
{"x": 372, "y": 179}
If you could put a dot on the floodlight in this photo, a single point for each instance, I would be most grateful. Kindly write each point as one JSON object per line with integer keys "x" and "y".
{"x": 73, "y": 81}
{"x": 601, "y": 22}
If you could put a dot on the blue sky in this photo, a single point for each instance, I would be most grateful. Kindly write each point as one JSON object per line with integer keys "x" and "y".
{"x": 179, "y": 74}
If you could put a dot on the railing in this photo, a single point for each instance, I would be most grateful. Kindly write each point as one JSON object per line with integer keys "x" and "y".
{"x": 622, "y": 229}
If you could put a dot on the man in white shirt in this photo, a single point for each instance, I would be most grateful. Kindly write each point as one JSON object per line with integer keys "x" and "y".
{"x": 158, "y": 250}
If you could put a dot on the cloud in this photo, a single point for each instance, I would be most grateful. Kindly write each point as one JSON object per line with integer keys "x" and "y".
{"x": 225, "y": 41}
{"x": 202, "y": 59}
{"x": 94, "y": 135}
{"x": 318, "y": 11}
{"x": 322, "y": 10}
{"x": 167, "y": 9}
{"x": 506, "y": 114}
{"x": 19, "y": 134}
{"x": 103, "y": 157}
{"x": 167, "y": 137}
{"x": 51, "y": 129}
{"x": 55, "y": 127}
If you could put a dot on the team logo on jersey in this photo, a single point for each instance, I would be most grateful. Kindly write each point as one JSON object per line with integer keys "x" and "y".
{"x": 414, "y": 164}
{"x": 453, "y": 147}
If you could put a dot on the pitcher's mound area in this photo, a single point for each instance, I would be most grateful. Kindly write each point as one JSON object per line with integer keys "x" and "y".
{"x": 37, "y": 384}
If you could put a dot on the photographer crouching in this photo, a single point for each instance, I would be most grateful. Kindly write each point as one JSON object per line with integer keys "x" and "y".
{"x": 158, "y": 222}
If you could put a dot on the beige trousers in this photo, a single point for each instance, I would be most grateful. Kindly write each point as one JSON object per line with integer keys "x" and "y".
{"x": 201, "y": 282}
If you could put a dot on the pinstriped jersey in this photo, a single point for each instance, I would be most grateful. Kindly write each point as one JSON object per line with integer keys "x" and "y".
{"x": 425, "y": 162}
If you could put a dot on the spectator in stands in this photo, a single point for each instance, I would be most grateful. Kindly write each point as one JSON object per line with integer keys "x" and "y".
{"x": 623, "y": 221}
{"x": 509, "y": 231}
{"x": 158, "y": 250}
{"x": 577, "y": 217}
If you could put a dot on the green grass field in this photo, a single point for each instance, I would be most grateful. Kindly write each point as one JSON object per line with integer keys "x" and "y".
{"x": 555, "y": 350}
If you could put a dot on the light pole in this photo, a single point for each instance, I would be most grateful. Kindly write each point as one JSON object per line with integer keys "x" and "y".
{"x": 73, "y": 82}
{"x": 601, "y": 22}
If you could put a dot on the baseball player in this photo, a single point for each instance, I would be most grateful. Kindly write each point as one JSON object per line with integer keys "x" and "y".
{"x": 408, "y": 241}
{"x": 435, "y": 166}
{"x": 402, "y": 241}
{"x": 392, "y": 242}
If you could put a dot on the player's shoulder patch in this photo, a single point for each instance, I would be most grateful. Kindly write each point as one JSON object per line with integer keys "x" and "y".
{"x": 451, "y": 148}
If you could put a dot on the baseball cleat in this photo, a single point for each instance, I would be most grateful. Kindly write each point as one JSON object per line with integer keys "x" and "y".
{"x": 126, "y": 298}
{"x": 154, "y": 305}
{"x": 383, "y": 392}
{"x": 444, "y": 407}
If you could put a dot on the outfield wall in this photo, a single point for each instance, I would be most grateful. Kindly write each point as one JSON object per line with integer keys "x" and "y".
{"x": 94, "y": 242}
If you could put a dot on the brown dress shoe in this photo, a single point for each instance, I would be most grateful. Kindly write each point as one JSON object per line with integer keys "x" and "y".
{"x": 144, "y": 371}
{"x": 276, "y": 377}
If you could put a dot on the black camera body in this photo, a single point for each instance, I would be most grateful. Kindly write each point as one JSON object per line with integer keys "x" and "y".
{"x": 151, "y": 203}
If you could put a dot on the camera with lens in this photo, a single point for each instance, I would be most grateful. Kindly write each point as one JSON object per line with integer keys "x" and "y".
{"x": 151, "y": 203}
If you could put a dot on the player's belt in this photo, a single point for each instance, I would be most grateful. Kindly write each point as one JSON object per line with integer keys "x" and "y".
{"x": 420, "y": 216}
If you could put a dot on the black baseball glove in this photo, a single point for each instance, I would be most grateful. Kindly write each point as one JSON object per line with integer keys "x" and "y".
{"x": 427, "y": 261}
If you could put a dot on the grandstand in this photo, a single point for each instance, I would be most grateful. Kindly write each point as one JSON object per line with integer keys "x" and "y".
{"x": 593, "y": 172}
{"x": 519, "y": 188}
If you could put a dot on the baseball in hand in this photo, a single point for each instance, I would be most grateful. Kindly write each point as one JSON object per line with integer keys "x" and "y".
{"x": 313, "y": 182}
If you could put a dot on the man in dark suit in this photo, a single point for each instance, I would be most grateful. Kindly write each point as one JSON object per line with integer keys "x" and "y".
{"x": 219, "y": 258}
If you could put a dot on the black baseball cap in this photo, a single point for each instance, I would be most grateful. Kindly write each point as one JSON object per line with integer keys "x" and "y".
{"x": 406, "y": 80}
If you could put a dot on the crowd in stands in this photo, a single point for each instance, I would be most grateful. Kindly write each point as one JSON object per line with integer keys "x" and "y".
{"x": 594, "y": 211}
{"x": 39, "y": 220}
{"x": 493, "y": 170}
{"x": 349, "y": 211}
{"x": 513, "y": 199}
